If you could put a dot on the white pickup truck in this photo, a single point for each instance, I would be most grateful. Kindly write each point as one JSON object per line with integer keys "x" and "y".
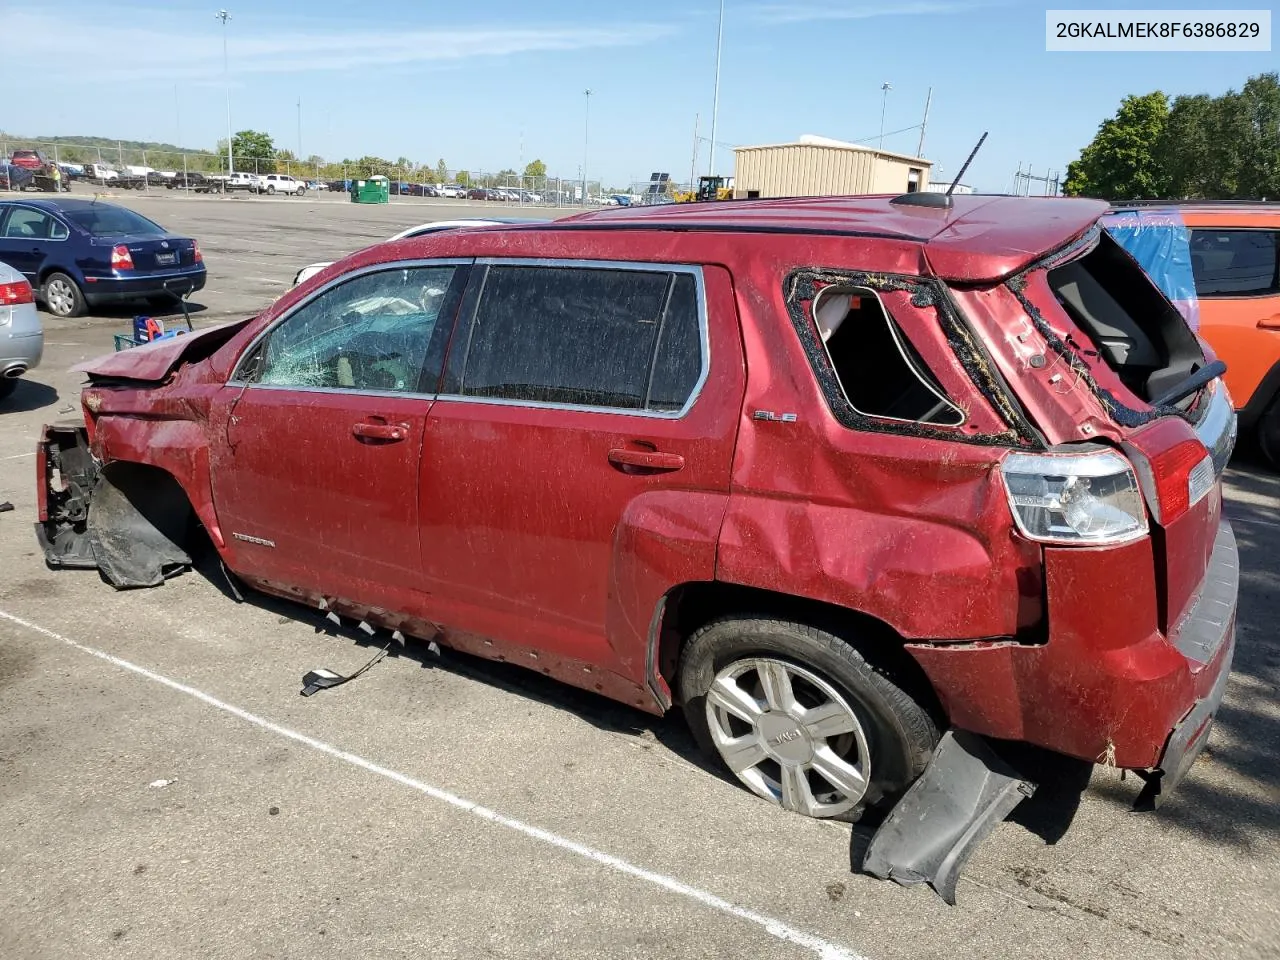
{"x": 273, "y": 183}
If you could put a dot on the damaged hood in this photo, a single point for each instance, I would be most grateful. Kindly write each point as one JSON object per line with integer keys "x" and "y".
{"x": 153, "y": 362}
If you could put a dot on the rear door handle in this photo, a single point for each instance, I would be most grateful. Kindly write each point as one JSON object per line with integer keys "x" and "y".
{"x": 1270, "y": 323}
{"x": 386, "y": 432}
{"x": 646, "y": 460}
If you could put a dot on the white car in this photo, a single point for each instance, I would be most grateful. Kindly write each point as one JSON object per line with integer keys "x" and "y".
{"x": 242, "y": 181}
{"x": 21, "y": 335}
{"x": 309, "y": 271}
{"x": 454, "y": 190}
{"x": 273, "y": 183}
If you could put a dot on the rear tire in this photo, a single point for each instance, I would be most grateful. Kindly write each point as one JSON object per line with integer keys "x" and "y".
{"x": 62, "y": 296}
{"x": 1269, "y": 434}
{"x": 849, "y": 719}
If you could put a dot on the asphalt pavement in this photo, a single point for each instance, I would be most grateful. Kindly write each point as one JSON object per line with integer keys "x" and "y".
{"x": 165, "y": 792}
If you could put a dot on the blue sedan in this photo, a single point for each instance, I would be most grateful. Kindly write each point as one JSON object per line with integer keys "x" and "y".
{"x": 82, "y": 253}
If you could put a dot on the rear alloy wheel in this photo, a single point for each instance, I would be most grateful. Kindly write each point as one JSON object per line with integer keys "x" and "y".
{"x": 1269, "y": 433}
{"x": 62, "y": 296}
{"x": 800, "y": 718}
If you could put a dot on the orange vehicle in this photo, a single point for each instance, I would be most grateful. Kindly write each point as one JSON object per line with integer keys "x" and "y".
{"x": 1234, "y": 252}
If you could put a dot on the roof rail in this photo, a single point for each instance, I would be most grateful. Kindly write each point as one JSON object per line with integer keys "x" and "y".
{"x": 1191, "y": 203}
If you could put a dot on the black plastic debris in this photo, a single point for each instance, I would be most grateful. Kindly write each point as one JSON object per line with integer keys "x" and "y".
{"x": 929, "y": 835}
{"x": 6, "y": 507}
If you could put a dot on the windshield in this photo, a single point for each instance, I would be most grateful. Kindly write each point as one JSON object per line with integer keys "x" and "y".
{"x": 102, "y": 220}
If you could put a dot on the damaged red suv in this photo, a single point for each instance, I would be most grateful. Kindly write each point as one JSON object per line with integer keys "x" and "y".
{"x": 836, "y": 475}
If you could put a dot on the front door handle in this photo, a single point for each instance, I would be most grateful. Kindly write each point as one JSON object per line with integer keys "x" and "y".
{"x": 653, "y": 460}
{"x": 380, "y": 430}
{"x": 1270, "y": 323}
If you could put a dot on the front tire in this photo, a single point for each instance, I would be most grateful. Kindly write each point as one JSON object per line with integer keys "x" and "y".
{"x": 62, "y": 296}
{"x": 800, "y": 718}
{"x": 302, "y": 191}
{"x": 271, "y": 191}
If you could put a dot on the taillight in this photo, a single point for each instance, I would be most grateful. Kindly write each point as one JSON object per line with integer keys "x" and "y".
{"x": 17, "y": 292}
{"x": 1075, "y": 498}
{"x": 195, "y": 251}
{"x": 1174, "y": 479}
{"x": 121, "y": 258}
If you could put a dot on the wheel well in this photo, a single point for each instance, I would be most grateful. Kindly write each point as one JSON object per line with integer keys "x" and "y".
{"x": 691, "y": 606}
{"x": 44, "y": 275}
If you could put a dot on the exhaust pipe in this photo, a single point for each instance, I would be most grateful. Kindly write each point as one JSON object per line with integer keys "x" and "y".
{"x": 14, "y": 370}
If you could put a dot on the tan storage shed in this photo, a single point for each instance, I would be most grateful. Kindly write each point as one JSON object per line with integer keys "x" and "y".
{"x": 818, "y": 167}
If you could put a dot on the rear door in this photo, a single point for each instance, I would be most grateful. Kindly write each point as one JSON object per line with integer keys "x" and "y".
{"x": 1237, "y": 277}
{"x": 577, "y": 403}
{"x": 26, "y": 236}
{"x": 316, "y": 482}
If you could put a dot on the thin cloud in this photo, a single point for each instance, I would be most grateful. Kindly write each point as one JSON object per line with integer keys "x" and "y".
{"x": 175, "y": 51}
{"x": 776, "y": 13}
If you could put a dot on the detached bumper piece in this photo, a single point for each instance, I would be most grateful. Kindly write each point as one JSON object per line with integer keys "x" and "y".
{"x": 931, "y": 832}
{"x": 126, "y": 520}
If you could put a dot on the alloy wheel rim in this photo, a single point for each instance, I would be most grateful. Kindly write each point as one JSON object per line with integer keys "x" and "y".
{"x": 789, "y": 736}
{"x": 61, "y": 300}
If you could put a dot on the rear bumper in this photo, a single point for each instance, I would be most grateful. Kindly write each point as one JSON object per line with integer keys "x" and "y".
{"x": 1106, "y": 687}
{"x": 118, "y": 289}
{"x": 22, "y": 349}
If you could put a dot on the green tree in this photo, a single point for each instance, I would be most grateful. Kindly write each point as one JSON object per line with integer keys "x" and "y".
{"x": 464, "y": 178}
{"x": 1120, "y": 163}
{"x": 253, "y": 151}
{"x": 1185, "y": 150}
{"x": 442, "y": 171}
{"x": 535, "y": 168}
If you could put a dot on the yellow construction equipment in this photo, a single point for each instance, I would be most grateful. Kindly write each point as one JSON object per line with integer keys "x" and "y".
{"x": 709, "y": 188}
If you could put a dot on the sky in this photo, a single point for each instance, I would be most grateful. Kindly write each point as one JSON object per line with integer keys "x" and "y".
{"x": 495, "y": 85}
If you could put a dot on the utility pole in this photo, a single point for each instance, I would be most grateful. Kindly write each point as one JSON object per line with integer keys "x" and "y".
{"x": 884, "y": 103}
{"x": 715, "y": 102}
{"x": 586, "y": 139}
{"x": 693, "y": 167}
{"x": 923, "y": 123}
{"x": 226, "y": 71}
{"x": 299, "y": 129}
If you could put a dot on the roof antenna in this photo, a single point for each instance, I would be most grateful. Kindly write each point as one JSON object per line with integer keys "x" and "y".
{"x": 938, "y": 200}
{"x": 981, "y": 141}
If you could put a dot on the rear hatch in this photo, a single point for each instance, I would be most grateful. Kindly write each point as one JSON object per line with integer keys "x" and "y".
{"x": 1102, "y": 360}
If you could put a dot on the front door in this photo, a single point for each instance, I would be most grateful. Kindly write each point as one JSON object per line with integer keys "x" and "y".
{"x": 574, "y": 415}
{"x": 316, "y": 484}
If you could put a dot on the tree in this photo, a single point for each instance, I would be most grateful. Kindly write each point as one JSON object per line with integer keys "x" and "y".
{"x": 463, "y": 178}
{"x": 251, "y": 150}
{"x": 1184, "y": 150}
{"x": 442, "y": 171}
{"x": 536, "y": 169}
{"x": 1120, "y": 163}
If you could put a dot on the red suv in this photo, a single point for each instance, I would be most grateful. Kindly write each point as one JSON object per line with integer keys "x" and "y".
{"x": 833, "y": 475}
{"x": 29, "y": 159}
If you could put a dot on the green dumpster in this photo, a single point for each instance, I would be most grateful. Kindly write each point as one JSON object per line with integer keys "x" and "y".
{"x": 373, "y": 190}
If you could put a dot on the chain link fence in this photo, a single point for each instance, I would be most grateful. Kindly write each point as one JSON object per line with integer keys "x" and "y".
{"x": 135, "y": 168}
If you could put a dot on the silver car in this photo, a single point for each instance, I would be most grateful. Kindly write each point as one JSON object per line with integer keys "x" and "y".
{"x": 21, "y": 336}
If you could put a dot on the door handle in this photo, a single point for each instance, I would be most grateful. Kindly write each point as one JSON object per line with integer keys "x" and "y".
{"x": 653, "y": 460}
{"x": 386, "y": 432}
{"x": 1270, "y": 323}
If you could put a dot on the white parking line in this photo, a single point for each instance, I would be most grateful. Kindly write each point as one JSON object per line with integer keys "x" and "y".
{"x": 19, "y": 456}
{"x": 821, "y": 948}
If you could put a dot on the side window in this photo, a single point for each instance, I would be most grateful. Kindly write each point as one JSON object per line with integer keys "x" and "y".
{"x": 371, "y": 333}
{"x": 880, "y": 372}
{"x": 1235, "y": 263}
{"x": 586, "y": 336}
{"x": 27, "y": 224}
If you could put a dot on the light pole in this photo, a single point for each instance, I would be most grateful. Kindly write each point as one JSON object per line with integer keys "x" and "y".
{"x": 715, "y": 100}
{"x": 886, "y": 87}
{"x": 226, "y": 71}
{"x": 586, "y": 139}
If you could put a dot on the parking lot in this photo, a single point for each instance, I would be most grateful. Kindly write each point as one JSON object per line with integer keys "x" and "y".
{"x": 167, "y": 793}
